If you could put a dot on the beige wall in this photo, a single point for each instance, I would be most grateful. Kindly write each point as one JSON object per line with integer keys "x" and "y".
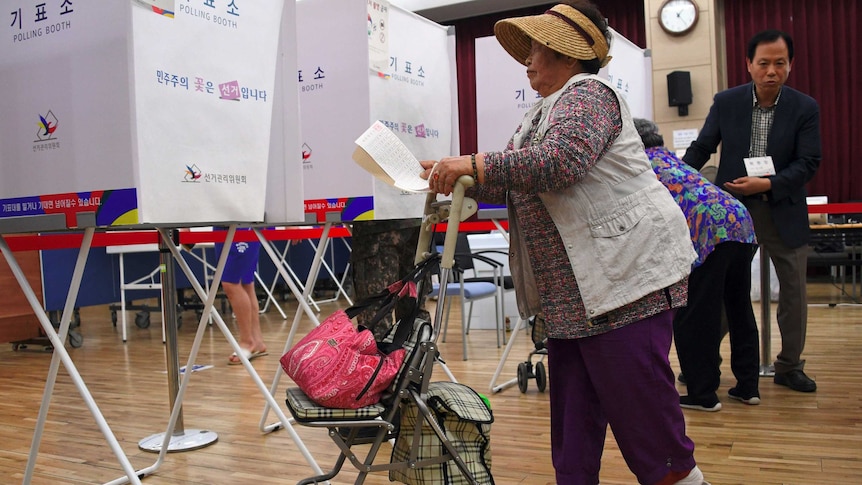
{"x": 696, "y": 52}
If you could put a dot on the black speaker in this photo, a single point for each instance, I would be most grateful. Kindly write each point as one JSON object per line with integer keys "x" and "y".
{"x": 679, "y": 90}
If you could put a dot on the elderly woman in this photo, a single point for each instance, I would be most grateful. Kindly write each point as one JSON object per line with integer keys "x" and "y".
{"x": 722, "y": 232}
{"x": 597, "y": 245}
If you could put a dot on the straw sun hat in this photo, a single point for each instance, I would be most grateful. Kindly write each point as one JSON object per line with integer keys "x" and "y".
{"x": 563, "y": 29}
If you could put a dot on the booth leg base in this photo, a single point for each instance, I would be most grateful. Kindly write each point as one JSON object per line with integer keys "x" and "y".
{"x": 190, "y": 439}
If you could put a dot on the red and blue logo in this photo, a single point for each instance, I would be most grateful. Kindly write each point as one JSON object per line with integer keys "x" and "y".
{"x": 47, "y": 126}
{"x": 193, "y": 173}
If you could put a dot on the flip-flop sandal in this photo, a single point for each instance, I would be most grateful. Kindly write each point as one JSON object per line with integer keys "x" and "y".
{"x": 235, "y": 360}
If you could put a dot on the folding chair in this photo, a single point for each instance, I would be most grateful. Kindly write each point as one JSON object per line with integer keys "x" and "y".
{"x": 410, "y": 387}
{"x": 470, "y": 287}
{"x": 504, "y": 282}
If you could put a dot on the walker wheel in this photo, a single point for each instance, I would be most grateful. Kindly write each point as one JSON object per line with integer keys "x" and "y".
{"x": 541, "y": 376}
{"x": 523, "y": 376}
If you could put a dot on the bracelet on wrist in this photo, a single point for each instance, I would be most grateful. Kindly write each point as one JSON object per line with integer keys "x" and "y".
{"x": 475, "y": 170}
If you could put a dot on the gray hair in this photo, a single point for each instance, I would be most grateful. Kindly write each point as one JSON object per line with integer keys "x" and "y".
{"x": 648, "y": 132}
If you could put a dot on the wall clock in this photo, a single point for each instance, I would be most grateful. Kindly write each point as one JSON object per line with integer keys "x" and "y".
{"x": 677, "y": 17}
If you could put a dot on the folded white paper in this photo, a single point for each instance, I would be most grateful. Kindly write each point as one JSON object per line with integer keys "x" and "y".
{"x": 381, "y": 153}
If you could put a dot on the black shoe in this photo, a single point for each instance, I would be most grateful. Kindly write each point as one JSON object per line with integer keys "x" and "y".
{"x": 688, "y": 403}
{"x": 750, "y": 399}
{"x": 681, "y": 378}
{"x": 796, "y": 380}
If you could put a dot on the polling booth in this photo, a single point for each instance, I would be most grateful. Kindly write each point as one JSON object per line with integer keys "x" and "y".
{"x": 128, "y": 110}
{"x": 121, "y": 111}
{"x": 144, "y": 114}
{"x": 385, "y": 64}
{"x": 203, "y": 132}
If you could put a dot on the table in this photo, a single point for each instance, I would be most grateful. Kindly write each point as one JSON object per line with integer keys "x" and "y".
{"x": 766, "y": 366}
{"x": 841, "y": 247}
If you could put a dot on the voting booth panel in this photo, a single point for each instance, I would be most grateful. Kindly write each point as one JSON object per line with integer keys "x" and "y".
{"x": 284, "y": 188}
{"x": 503, "y": 92}
{"x": 413, "y": 98}
{"x": 334, "y": 105}
{"x": 630, "y": 72}
{"x": 385, "y": 64}
{"x": 128, "y": 109}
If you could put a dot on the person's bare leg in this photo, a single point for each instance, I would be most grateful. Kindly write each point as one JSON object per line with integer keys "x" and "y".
{"x": 254, "y": 319}
{"x": 243, "y": 302}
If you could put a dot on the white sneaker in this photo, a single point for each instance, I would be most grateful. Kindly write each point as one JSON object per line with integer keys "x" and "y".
{"x": 695, "y": 477}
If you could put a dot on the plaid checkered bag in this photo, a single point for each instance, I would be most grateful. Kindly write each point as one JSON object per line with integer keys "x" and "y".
{"x": 466, "y": 421}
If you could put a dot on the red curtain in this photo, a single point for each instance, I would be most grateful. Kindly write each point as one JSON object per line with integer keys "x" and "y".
{"x": 826, "y": 66}
{"x": 622, "y": 15}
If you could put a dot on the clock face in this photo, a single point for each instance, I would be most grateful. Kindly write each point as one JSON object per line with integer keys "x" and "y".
{"x": 678, "y": 16}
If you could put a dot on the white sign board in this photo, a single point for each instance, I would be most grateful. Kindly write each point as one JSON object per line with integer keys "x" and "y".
{"x": 341, "y": 96}
{"x": 503, "y": 94}
{"x": 683, "y": 138}
{"x": 630, "y": 72}
{"x": 144, "y": 112}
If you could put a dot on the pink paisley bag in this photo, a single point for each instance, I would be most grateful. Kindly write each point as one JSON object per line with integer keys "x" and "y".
{"x": 339, "y": 366}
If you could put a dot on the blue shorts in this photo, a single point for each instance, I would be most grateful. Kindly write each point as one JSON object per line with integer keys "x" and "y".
{"x": 241, "y": 262}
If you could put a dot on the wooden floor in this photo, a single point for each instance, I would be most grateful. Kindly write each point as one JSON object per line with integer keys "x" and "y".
{"x": 791, "y": 438}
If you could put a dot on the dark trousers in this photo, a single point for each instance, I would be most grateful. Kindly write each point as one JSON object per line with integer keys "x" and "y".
{"x": 790, "y": 267}
{"x": 724, "y": 279}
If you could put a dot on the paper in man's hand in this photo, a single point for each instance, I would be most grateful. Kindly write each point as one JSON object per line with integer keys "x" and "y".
{"x": 381, "y": 153}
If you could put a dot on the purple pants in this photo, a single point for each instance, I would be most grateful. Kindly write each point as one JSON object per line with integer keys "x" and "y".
{"x": 622, "y": 378}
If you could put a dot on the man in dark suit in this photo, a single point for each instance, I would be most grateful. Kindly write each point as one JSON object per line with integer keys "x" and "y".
{"x": 770, "y": 148}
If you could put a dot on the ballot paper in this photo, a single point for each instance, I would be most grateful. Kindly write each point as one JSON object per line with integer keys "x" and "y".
{"x": 381, "y": 153}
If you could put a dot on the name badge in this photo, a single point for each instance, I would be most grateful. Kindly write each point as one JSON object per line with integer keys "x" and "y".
{"x": 759, "y": 166}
